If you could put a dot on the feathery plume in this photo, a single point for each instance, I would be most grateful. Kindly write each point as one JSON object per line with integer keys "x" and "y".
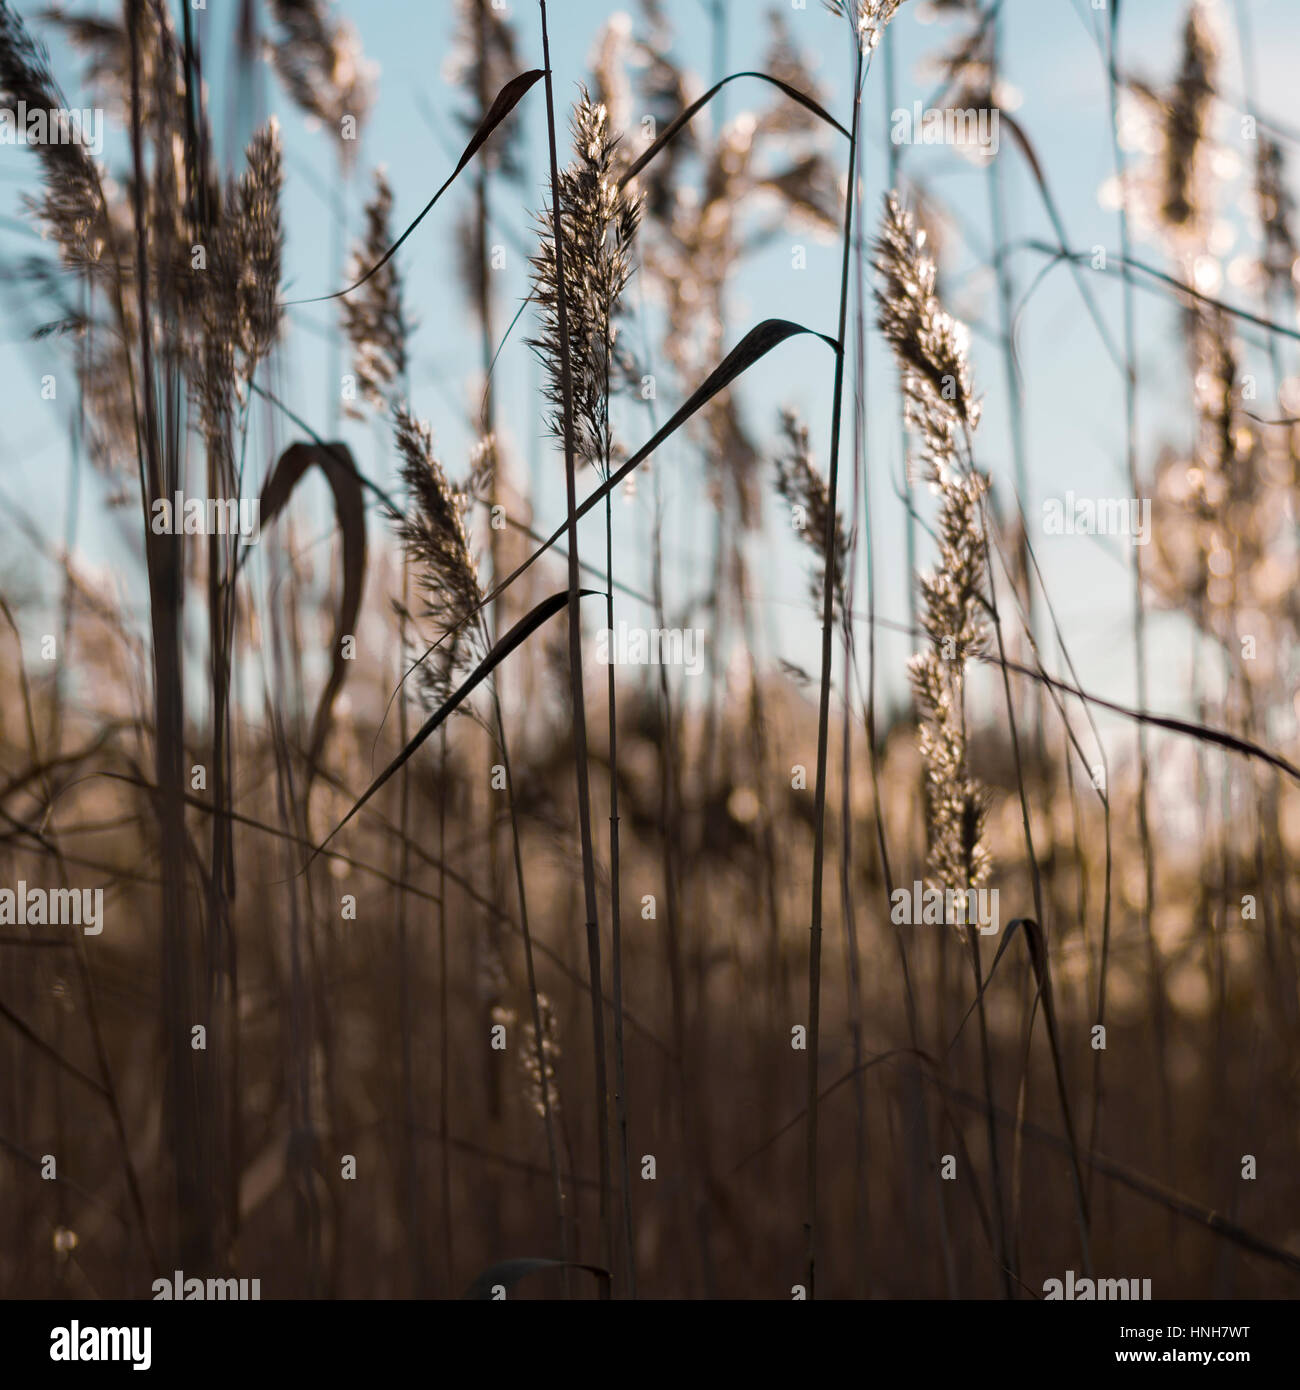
{"x": 260, "y": 238}
{"x": 931, "y": 353}
{"x": 870, "y": 17}
{"x": 1224, "y": 493}
{"x": 72, "y": 207}
{"x": 1182, "y": 204}
{"x": 1276, "y": 208}
{"x": 320, "y": 62}
{"x": 663, "y": 92}
{"x": 534, "y": 1061}
{"x": 930, "y": 345}
{"x": 239, "y": 304}
{"x": 799, "y": 483}
{"x": 608, "y": 63}
{"x": 436, "y": 542}
{"x": 482, "y": 60}
{"x": 600, "y": 221}
{"x": 374, "y": 316}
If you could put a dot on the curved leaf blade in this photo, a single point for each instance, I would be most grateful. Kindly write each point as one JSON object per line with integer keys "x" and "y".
{"x": 340, "y": 469}
{"x": 675, "y": 126}
{"x": 506, "y": 100}
{"x": 756, "y": 344}
{"x": 517, "y": 635}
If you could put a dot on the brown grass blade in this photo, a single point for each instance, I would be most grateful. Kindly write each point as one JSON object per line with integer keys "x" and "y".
{"x": 695, "y": 107}
{"x": 336, "y": 462}
{"x": 506, "y": 100}
{"x": 517, "y": 635}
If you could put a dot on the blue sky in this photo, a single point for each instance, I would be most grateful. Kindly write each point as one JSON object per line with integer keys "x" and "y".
{"x": 1072, "y": 394}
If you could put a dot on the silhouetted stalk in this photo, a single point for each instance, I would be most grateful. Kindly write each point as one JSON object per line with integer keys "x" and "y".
{"x": 616, "y": 959}
{"x": 853, "y": 971}
{"x": 414, "y": 1233}
{"x": 823, "y": 716}
{"x": 575, "y": 678}
{"x": 1273, "y": 903}
{"x": 1006, "y": 326}
{"x": 1008, "y": 1271}
{"x": 670, "y": 838}
{"x": 995, "y": 1168}
{"x": 616, "y": 983}
{"x": 444, "y": 1004}
{"x": 497, "y": 613}
{"x": 1085, "y": 1187}
{"x": 184, "y": 1122}
{"x": 1139, "y": 602}
{"x": 895, "y": 156}
{"x": 539, "y": 1034}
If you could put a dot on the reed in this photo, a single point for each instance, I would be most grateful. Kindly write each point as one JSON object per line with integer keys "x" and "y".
{"x": 298, "y": 974}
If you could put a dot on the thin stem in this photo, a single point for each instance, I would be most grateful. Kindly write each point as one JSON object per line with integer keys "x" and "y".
{"x": 548, "y": 1114}
{"x": 575, "y": 675}
{"x": 415, "y": 1238}
{"x": 444, "y": 1028}
{"x": 1139, "y": 603}
{"x": 615, "y": 911}
{"x": 615, "y": 918}
{"x": 895, "y": 158}
{"x": 823, "y": 717}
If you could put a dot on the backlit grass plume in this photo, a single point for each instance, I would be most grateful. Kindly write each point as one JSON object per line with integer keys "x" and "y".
{"x": 374, "y": 316}
{"x": 930, "y": 345}
{"x": 72, "y": 206}
{"x": 930, "y": 349}
{"x": 1279, "y": 253}
{"x": 952, "y": 618}
{"x": 260, "y": 240}
{"x": 870, "y": 17}
{"x": 533, "y": 1059}
{"x": 239, "y": 300}
{"x": 1187, "y": 123}
{"x": 437, "y": 544}
{"x": 799, "y": 483}
{"x": 320, "y": 63}
{"x": 600, "y": 220}
{"x": 1169, "y": 192}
